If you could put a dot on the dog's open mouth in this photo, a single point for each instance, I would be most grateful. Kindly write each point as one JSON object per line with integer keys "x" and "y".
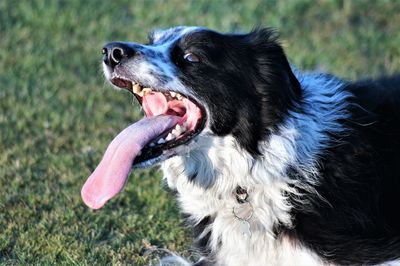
{"x": 191, "y": 118}
{"x": 171, "y": 120}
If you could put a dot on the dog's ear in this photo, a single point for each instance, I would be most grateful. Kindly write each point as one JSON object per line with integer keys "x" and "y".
{"x": 277, "y": 82}
{"x": 272, "y": 83}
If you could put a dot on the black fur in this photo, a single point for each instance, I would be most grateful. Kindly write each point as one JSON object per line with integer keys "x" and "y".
{"x": 202, "y": 240}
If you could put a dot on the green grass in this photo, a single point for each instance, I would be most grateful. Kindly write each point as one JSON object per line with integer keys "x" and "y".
{"x": 57, "y": 115}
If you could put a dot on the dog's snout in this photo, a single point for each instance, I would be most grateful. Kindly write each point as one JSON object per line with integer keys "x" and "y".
{"x": 115, "y": 52}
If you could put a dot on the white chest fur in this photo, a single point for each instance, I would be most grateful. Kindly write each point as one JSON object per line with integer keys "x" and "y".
{"x": 219, "y": 168}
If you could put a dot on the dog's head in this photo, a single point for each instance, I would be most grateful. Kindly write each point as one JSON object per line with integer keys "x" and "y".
{"x": 239, "y": 84}
{"x": 194, "y": 82}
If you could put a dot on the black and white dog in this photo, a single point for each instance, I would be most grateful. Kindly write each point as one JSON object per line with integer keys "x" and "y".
{"x": 271, "y": 166}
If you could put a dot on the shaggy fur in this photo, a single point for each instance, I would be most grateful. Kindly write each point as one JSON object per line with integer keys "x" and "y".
{"x": 317, "y": 156}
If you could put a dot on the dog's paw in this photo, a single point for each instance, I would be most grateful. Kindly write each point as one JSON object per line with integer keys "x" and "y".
{"x": 174, "y": 260}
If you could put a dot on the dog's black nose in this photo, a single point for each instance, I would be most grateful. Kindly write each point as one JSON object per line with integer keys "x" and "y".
{"x": 115, "y": 52}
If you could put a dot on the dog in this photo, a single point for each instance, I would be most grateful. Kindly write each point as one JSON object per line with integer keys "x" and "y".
{"x": 271, "y": 166}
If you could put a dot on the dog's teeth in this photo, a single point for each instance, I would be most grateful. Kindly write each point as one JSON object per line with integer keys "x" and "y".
{"x": 152, "y": 144}
{"x": 185, "y": 126}
{"x": 178, "y": 130}
{"x": 172, "y": 93}
{"x": 146, "y": 91}
{"x": 136, "y": 88}
{"x": 169, "y": 137}
{"x": 175, "y": 133}
{"x": 161, "y": 141}
{"x": 179, "y": 97}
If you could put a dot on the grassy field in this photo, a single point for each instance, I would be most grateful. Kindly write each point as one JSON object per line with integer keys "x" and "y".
{"x": 57, "y": 115}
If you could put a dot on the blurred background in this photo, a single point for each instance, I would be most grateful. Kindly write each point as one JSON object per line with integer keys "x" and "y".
{"x": 57, "y": 114}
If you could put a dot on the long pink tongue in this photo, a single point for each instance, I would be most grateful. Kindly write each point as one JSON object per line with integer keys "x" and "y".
{"x": 111, "y": 174}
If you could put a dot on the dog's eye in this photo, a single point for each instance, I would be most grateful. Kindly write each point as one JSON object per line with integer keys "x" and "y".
{"x": 192, "y": 58}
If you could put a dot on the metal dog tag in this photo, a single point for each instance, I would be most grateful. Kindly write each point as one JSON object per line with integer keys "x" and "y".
{"x": 245, "y": 227}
